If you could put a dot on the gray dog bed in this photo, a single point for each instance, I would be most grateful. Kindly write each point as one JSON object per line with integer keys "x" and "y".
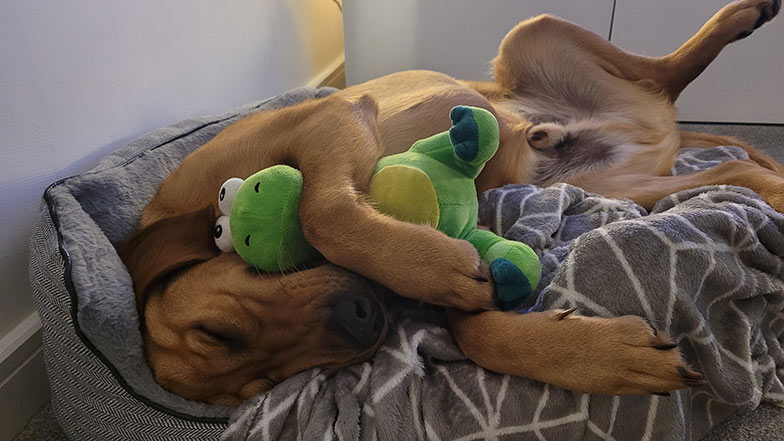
{"x": 102, "y": 388}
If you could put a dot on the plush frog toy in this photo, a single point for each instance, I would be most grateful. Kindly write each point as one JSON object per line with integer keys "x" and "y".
{"x": 261, "y": 220}
{"x": 432, "y": 183}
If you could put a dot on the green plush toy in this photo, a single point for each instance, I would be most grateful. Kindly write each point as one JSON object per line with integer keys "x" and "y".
{"x": 261, "y": 220}
{"x": 432, "y": 183}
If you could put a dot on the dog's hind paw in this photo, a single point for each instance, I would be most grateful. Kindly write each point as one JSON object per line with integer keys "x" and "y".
{"x": 745, "y": 16}
{"x": 767, "y": 12}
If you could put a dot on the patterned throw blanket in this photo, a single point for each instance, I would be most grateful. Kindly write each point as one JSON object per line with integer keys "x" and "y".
{"x": 705, "y": 265}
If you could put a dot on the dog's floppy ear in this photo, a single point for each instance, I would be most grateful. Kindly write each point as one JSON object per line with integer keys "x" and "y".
{"x": 365, "y": 103}
{"x": 366, "y": 106}
{"x": 166, "y": 246}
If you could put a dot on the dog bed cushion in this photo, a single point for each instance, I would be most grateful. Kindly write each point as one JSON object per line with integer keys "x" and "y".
{"x": 101, "y": 386}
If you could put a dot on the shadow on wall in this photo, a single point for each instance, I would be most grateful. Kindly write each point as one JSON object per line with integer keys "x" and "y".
{"x": 20, "y": 203}
{"x": 319, "y": 25}
{"x": 81, "y": 78}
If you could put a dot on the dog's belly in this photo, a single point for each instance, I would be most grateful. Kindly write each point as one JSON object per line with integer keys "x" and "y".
{"x": 578, "y": 153}
{"x": 586, "y": 144}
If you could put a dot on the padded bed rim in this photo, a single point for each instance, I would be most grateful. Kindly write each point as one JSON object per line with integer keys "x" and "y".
{"x": 74, "y": 298}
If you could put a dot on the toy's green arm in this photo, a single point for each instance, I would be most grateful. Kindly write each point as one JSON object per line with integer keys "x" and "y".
{"x": 468, "y": 145}
{"x": 515, "y": 267}
{"x": 482, "y": 240}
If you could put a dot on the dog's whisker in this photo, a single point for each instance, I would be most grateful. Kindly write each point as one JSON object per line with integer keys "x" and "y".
{"x": 283, "y": 290}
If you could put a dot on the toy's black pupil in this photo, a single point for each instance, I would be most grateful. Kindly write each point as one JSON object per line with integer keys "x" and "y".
{"x": 218, "y": 231}
{"x": 257, "y": 187}
{"x": 223, "y": 193}
{"x": 247, "y": 240}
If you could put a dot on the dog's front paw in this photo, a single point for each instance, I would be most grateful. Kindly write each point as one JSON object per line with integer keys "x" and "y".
{"x": 635, "y": 357}
{"x": 615, "y": 356}
{"x": 447, "y": 273}
{"x": 471, "y": 284}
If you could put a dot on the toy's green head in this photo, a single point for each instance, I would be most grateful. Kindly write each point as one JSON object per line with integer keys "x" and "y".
{"x": 261, "y": 219}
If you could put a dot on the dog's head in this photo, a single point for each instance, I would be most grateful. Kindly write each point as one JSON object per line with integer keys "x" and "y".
{"x": 216, "y": 330}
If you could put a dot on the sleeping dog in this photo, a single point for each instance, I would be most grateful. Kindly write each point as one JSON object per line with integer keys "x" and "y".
{"x": 571, "y": 108}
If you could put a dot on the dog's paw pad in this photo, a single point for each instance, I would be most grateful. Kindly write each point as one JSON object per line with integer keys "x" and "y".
{"x": 767, "y": 13}
{"x": 511, "y": 285}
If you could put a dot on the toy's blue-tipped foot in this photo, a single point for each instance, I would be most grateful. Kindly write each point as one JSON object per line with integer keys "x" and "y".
{"x": 511, "y": 285}
{"x": 464, "y": 133}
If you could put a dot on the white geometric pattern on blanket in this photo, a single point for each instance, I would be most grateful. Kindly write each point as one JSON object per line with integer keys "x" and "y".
{"x": 490, "y": 424}
{"x": 715, "y": 251}
{"x": 486, "y": 414}
{"x": 572, "y": 296}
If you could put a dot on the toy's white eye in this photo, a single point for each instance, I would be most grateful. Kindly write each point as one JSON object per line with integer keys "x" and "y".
{"x": 222, "y": 234}
{"x": 226, "y": 196}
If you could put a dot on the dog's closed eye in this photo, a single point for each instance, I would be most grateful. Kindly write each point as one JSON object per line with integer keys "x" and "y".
{"x": 230, "y": 338}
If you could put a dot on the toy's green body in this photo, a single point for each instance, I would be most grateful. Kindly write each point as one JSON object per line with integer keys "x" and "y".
{"x": 432, "y": 183}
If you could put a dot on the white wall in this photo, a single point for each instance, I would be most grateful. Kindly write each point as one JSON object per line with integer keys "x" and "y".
{"x": 743, "y": 84}
{"x": 79, "y": 78}
{"x": 457, "y": 37}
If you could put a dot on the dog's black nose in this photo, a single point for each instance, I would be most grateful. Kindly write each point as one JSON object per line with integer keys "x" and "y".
{"x": 359, "y": 318}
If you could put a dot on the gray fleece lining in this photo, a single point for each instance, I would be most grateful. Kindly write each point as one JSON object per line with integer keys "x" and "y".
{"x": 101, "y": 207}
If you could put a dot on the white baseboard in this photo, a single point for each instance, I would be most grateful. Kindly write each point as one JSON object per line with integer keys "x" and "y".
{"x": 23, "y": 384}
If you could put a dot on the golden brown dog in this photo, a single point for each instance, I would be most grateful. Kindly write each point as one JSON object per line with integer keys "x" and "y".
{"x": 218, "y": 331}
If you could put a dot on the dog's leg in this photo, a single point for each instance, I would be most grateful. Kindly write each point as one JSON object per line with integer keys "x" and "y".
{"x": 708, "y": 140}
{"x": 646, "y": 190}
{"x": 413, "y": 260}
{"x": 536, "y": 44}
{"x": 733, "y": 22}
{"x": 621, "y": 355}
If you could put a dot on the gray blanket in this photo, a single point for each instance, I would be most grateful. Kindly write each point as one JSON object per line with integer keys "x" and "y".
{"x": 705, "y": 265}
